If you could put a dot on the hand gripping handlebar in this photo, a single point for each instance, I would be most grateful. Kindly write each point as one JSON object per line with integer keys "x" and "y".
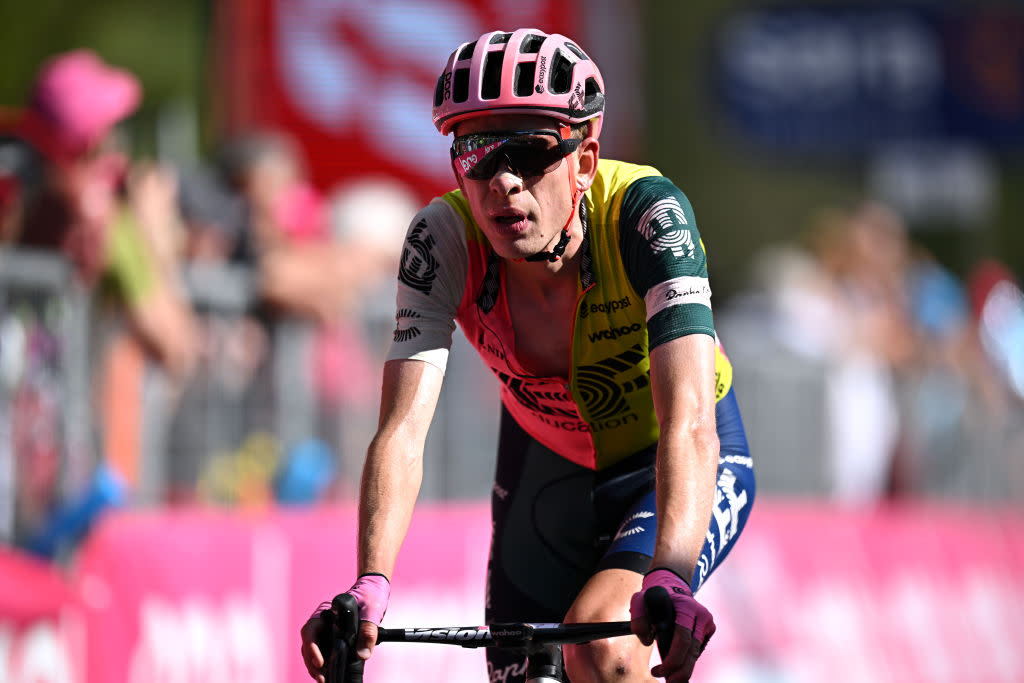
{"x": 337, "y": 640}
{"x": 340, "y": 627}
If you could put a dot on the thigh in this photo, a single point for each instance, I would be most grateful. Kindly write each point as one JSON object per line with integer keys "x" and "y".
{"x": 544, "y": 544}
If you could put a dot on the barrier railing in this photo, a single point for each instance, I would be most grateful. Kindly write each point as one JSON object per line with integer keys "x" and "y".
{"x": 46, "y": 436}
{"x": 277, "y": 397}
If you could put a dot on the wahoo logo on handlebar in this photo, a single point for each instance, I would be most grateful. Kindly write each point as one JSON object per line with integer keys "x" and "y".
{"x": 541, "y": 643}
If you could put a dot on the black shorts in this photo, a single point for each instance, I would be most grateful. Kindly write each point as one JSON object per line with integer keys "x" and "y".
{"x": 554, "y": 523}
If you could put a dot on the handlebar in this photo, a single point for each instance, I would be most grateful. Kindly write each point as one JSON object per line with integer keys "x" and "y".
{"x": 661, "y": 614}
{"x": 340, "y": 627}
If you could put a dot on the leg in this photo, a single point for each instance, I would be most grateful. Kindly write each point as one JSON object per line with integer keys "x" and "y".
{"x": 606, "y": 598}
{"x": 542, "y": 548}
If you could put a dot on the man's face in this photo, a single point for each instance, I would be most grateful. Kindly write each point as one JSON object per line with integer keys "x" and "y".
{"x": 520, "y": 216}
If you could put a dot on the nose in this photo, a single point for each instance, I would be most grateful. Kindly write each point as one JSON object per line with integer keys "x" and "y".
{"x": 505, "y": 179}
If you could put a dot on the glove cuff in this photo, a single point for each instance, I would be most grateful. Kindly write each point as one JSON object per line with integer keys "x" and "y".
{"x": 371, "y": 592}
{"x": 663, "y": 576}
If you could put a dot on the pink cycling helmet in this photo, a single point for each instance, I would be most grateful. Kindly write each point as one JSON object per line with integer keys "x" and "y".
{"x": 526, "y": 71}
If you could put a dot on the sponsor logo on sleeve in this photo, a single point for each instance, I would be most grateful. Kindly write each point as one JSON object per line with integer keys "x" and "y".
{"x": 419, "y": 267}
{"x": 405, "y": 327}
{"x": 664, "y": 228}
{"x": 676, "y": 292}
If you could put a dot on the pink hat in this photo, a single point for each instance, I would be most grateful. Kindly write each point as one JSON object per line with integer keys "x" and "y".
{"x": 80, "y": 98}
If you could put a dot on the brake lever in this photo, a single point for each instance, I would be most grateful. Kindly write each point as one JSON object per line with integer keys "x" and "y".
{"x": 661, "y": 614}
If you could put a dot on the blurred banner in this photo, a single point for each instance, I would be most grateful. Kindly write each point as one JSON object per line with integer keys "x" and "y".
{"x": 814, "y": 592}
{"x": 41, "y": 634}
{"x": 801, "y": 79}
{"x": 354, "y": 82}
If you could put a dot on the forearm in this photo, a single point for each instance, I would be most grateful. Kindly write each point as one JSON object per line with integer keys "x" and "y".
{"x": 683, "y": 381}
{"x": 394, "y": 462}
{"x": 390, "y": 485}
{"x": 686, "y": 470}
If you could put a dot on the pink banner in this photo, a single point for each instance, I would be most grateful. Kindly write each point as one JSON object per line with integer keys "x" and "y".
{"x": 41, "y": 631}
{"x": 200, "y": 596}
{"x": 811, "y": 593}
{"x": 919, "y": 593}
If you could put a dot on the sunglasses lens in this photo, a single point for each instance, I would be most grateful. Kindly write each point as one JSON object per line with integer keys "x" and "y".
{"x": 486, "y": 167}
{"x": 532, "y": 161}
{"x": 526, "y": 154}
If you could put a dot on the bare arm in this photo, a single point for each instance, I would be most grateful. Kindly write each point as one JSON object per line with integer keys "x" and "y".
{"x": 683, "y": 384}
{"x": 390, "y": 484}
{"x": 394, "y": 463}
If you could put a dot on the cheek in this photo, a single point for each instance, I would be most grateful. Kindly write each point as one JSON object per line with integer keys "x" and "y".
{"x": 554, "y": 199}
{"x": 475, "y": 196}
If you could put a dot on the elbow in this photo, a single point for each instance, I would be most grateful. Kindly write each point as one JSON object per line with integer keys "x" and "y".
{"x": 701, "y": 431}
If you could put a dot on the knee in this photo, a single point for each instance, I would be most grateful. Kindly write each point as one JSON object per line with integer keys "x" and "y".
{"x": 613, "y": 659}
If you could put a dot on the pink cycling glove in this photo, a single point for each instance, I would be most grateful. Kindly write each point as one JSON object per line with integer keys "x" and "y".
{"x": 690, "y": 614}
{"x": 371, "y": 592}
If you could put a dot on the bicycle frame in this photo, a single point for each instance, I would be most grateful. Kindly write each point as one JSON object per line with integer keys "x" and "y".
{"x": 541, "y": 643}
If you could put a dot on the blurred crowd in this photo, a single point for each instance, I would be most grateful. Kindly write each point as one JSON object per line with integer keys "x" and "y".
{"x": 139, "y": 236}
{"x": 924, "y": 370}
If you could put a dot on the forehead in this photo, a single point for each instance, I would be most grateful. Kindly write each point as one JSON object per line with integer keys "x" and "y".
{"x": 505, "y": 122}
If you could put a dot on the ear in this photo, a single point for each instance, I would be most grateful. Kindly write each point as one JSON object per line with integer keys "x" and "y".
{"x": 587, "y": 155}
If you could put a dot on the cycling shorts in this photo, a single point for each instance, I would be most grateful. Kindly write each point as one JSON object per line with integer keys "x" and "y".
{"x": 555, "y": 524}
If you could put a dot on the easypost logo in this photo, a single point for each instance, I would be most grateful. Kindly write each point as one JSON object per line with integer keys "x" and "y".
{"x": 604, "y": 307}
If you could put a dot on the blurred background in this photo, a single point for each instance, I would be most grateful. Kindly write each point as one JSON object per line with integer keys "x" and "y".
{"x": 202, "y": 207}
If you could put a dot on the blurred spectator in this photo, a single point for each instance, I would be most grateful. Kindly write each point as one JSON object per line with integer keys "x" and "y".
{"x": 838, "y": 299}
{"x": 367, "y": 219}
{"x": 65, "y": 187}
{"x": 917, "y": 367}
{"x": 283, "y": 230}
{"x": 997, "y": 303}
{"x": 327, "y": 261}
{"x": 69, "y": 189}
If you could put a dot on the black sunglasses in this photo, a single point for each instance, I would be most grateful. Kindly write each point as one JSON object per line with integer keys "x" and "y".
{"x": 528, "y": 153}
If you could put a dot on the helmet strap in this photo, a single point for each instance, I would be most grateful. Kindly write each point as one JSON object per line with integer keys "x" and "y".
{"x": 577, "y": 194}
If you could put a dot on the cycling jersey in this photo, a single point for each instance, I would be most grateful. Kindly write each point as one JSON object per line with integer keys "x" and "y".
{"x": 643, "y": 282}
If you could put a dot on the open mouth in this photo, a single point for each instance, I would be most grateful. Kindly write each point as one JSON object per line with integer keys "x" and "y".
{"x": 514, "y": 220}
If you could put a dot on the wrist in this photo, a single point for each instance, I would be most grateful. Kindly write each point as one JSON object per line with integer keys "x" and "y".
{"x": 372, "y": 592}
{"x": 661, "y": 576}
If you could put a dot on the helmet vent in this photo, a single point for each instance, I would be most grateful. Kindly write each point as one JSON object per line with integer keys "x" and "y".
{"x": 524, "y": 78}
{"x": 576, "y": 51}
{"x": 531, "y": 44}
{"x": 439, "y": 92}
{"x": 561, "y": 73}
{"x": 500, "y": 38}
{"x": 466, "y": 52}
{"x": 460, "y": 85}
{"x": 490, "y": 89}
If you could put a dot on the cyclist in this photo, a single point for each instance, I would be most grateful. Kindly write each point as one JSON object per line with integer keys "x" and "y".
{"x": 582, "y": 282}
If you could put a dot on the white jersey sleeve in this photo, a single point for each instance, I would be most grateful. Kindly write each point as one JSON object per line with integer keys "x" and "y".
{"x": 431, "y": 282}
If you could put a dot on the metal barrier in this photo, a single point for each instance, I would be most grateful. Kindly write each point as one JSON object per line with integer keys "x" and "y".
{"x": 947, "y": 444}
{"x": 46, "y": 436}
{"x": 254, "y": 413}
{"x": 264, "y": 395}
